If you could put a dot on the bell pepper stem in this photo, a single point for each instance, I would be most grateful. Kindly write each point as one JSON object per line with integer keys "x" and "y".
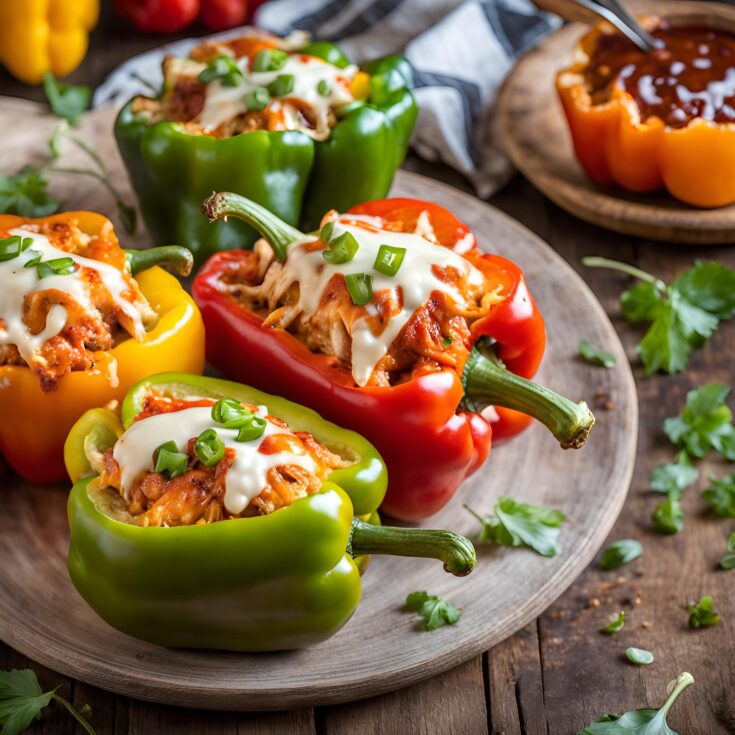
{"x": 457, "y": 552}
{"x": 488, "y": 383}
{"x": 179, "y": 258}
{"x": 278, "y": 233}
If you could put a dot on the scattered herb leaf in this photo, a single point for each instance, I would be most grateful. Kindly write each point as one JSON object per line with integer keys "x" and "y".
{"x": 619, "y": 553}
{"x": 639, "y": 656}
{"x": 436, "y": 611}
{"x": 704, "y": 424}
{"x": 25, "y": 194}
{"x": 721, "y": 495}
{"x": 522, "y": 524}
{"x": 67, "y": 101}
{"x": 668, "y": 516}
{"x": 615, "y": 625}
{"x": 683, "y": 315}
{"x": 594, "y": 356}
{"x": 674, "y": 478}
{"x": 702, "y": 614}
{"x": 21, "y": 702}
{"x": 641, "y": 721}
{"x": 728, "y": 561}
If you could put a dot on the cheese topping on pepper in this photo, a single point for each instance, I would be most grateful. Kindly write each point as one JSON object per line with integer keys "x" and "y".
{"x": 245, "y": 479}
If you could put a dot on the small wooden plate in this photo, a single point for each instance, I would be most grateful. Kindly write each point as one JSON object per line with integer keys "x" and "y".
{"x": 535, "y": 134}
{"x": 380, "y": 649}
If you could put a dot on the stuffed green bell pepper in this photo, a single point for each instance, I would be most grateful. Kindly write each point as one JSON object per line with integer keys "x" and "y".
{"x": 210, "y": 515}
{"x": 289, "y": 124}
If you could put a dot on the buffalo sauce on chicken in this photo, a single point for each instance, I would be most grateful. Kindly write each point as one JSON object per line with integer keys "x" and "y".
{"x": 200, "y": 495}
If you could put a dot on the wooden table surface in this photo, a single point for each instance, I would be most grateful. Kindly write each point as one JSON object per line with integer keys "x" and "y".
{"x": 558, "y": 673}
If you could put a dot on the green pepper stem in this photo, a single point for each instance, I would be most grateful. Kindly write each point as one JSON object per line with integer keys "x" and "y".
{"x": 457, "y": 552}
{"x": 594, "y": 261}
{"x": 488, "y": 383}
{"x": 681, "y": 682}
{"x": 179, "y": 258}
{"x": 278, "y": 233}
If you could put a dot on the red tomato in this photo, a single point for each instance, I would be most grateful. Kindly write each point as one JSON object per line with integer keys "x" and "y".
{"x": 158, "y": 16}
{"x": 218, "y": 15}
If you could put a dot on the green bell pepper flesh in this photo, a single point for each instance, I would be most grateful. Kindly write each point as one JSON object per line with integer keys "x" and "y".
{"x": 297, "y": 178}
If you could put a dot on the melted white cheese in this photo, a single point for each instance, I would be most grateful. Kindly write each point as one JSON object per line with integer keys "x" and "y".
{"x": 224, "y": 103}
{"x": 415, "y": 279}
{"x": 245, "y": 479}
{"x": 17, "y": 282}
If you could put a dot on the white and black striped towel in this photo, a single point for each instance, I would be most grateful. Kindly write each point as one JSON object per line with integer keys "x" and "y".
{"x": 460, "y": 50}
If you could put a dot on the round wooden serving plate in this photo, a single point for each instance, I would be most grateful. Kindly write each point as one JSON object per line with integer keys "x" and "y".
{"x": 380, "y": 649}
{"x": 535, "y": 134}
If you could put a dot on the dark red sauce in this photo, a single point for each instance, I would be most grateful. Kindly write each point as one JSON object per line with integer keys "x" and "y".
{"x": 693, "y": 75}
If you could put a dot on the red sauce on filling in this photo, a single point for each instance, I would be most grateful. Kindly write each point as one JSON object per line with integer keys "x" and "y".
{"x": 692, "y": 76}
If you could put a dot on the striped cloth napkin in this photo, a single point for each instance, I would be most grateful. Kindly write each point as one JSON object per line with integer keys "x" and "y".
{"x": 461, "y": 52}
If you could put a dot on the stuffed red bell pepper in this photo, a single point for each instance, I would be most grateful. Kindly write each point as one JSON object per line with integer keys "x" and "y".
{"x": 391, "y": 321}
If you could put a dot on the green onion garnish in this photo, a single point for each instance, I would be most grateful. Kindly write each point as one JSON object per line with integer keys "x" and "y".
{"x": 223, "y": 68}
{"x": 270, "y": 59}
{"x": 253, "y": 430}
{"x": 209, "y": 448}
{"x": 56, "y": 267}
{"x": 360, "y": 286}
{"x": 257, "y": 99}
{"x": 323, "y": 88}
{"x": 341, "y": 250}
{"x": 11, "y": 247}
{"x": 170, "y": 460}
{"x": 231, "y": 413}
{"x": 326, "y": 234}
{"x": 389, "y": 259}
{"x": 446, "y": 341}
{"x": 35, "y": 259}
{"x": 281, "y": 85}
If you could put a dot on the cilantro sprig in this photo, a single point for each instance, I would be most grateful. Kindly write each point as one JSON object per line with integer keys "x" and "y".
{"x": 595, "y": 356}
{"x": 683, "y": 315}
{"x": 702, "y": 614}
{"x": 721, "y": 496}
{"x": 25, "y": 194}
{"x": 521, "y": 524}
{"x": 620, "y": 552}
{"x": 728, "y": 561}
{"x": 641, "y": 721}
{"x": 68, "y": 101}
{"x": 22, "y": 701}
{"x": 674, "y": 478}
{"x": 615, "y": 625}
{"x": 436, "y": 611}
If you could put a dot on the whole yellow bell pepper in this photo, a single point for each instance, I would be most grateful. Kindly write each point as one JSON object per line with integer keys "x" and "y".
{"x": 37, "y": 36}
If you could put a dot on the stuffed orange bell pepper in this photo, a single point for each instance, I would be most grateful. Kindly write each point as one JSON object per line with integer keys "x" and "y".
{"x": 37, "y": 36}
{"x": 660, "y": 119}
{"x": 81, "y": 320}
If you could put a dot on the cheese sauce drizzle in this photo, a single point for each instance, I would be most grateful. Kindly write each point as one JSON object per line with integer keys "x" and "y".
{"x": 415, "y": 279}
{"x": 19, "y": 282}
{"x": 245, "y": 479}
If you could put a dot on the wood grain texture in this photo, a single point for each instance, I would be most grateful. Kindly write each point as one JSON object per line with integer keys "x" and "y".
{"x": 535, "y": 133}
{"x": 43, "y": 617}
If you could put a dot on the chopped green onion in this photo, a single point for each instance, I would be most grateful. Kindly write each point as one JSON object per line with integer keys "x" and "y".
{"x": 56, "y": 267}
{"x": 270, "y": 59}
{"x": 389, "y": 259}
{"x": 257, "y": 99}
{"x": 446, "y": 341}
{"x": 209, "y": 448}
{"x": 11, "y": 247}
{"x": 281, "y": 85}
{"x": 252, "y": 430}
{"x": 342, "y": 249}
{"x": 170, "y": 460}
{"x": 360, "y": 286}
{"x": 323, "y": 88}
{"x": 223, "y": 68}
{"x": 231, "y": 413}
{"x": 35, "y": 259}
{"x": 326, "y": 234}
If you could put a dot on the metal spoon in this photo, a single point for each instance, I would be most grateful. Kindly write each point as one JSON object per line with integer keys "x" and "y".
{"x": 613, "y": 11}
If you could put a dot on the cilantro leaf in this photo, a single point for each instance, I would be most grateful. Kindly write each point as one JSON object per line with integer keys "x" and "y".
{"x": 620, "y": 552}
{"x": 641, "y": 721}
{"x": 668, "y": 516}
{"x": 728, "y": 561}
{"x": 704, "y": 424}
{"x": 721, "y": 495}
{"x": 615, "y": 625}
{"x": 67, "y": 101}
{"x": 702, "y": 614}
{"x": 436, "y": 611}
{"x": 683, "y": 315}
{"x": 25, "y": 194}
{"x": 595, "y": 356}
{"x": 674, "y": 478}
{"x": 521, "y": 524}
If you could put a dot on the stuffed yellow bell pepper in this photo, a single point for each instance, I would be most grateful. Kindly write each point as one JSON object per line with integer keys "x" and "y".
{"x": 37, "y": 36}
{"x": 81, "y": 320}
